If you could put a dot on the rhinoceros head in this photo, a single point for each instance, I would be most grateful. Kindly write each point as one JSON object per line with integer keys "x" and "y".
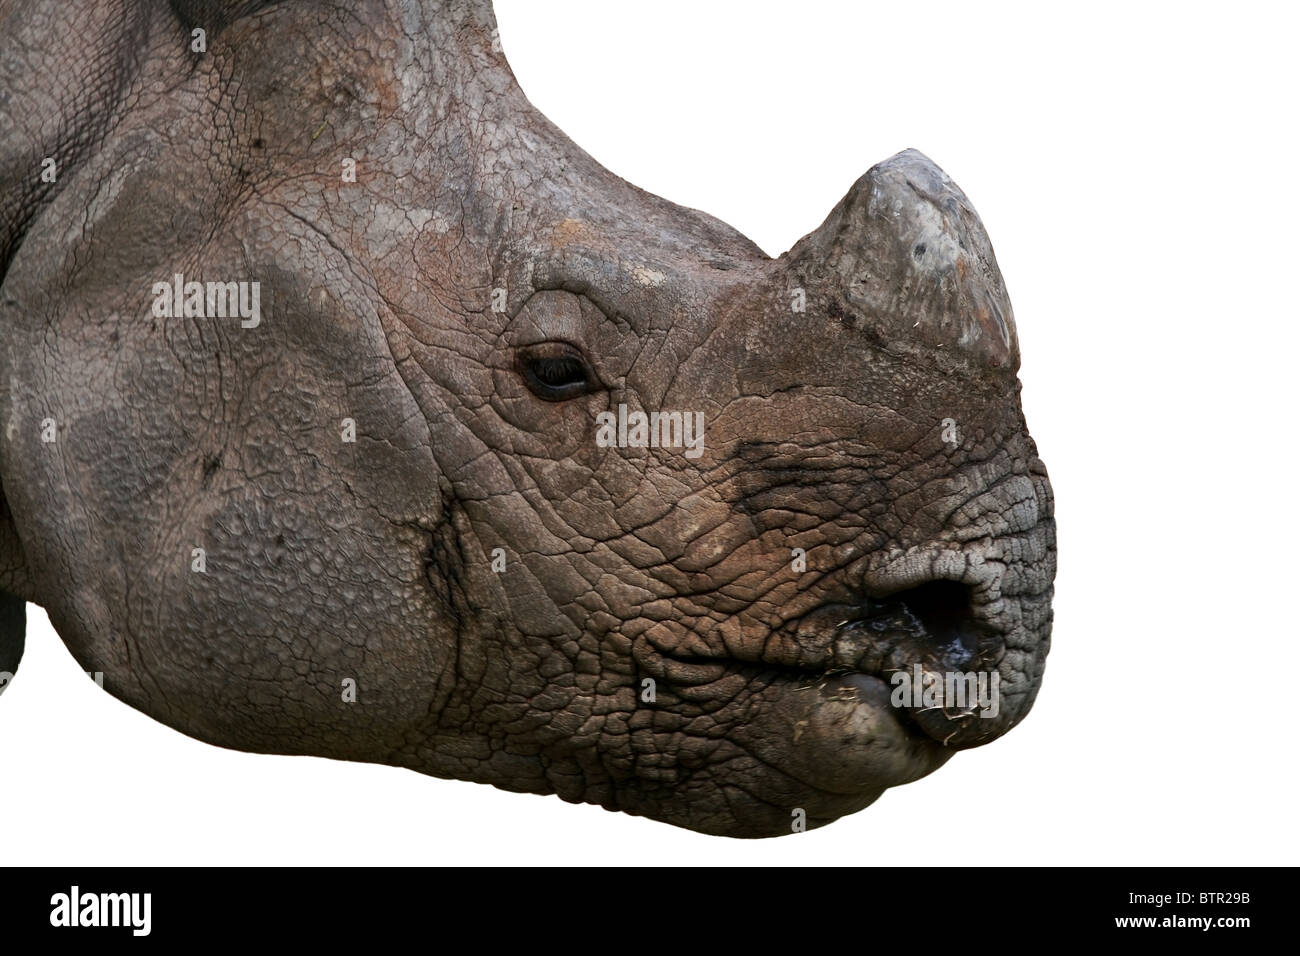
{"x": 350, "y": 409}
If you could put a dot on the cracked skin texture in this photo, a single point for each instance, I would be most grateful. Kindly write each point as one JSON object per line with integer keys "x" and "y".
{"x": 372, "y": 560}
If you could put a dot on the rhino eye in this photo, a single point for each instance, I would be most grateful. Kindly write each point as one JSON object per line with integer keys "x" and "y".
{"x": 555, "y": 371}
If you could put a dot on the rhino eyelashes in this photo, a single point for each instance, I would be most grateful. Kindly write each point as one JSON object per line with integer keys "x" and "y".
{"x": 555, "y": 371}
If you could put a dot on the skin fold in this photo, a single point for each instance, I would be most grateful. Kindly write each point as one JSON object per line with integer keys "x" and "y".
{"x": 475, "y": 587}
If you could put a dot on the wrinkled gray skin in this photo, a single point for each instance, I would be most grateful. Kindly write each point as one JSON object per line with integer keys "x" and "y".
{"x": 372, "y": 561}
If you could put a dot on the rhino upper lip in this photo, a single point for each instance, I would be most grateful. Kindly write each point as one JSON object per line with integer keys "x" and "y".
{"x": 936, "y": 624}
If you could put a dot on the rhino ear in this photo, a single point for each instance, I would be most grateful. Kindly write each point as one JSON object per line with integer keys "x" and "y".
{"x": 906, "y": 258}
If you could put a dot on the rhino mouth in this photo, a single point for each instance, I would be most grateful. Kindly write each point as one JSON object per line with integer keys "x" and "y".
{"x": 932, "y": 648}
{"x": 835, "y": 675}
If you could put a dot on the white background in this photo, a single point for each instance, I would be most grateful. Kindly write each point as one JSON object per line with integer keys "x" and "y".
{"x": 1136, "y": 167}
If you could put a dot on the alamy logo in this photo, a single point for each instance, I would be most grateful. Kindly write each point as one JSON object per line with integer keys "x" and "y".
{"x": 208, "y": 300}
{"x": 656, "y": 430}
{"x": 102, "y": 909}
{"x": 951, "y": 690}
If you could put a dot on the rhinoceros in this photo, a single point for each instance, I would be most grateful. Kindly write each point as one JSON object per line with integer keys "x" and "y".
{"x": 350, "y": 409}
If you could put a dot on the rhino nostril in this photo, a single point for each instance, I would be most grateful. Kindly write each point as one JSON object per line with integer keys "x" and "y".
{"x": 940, "y": 616}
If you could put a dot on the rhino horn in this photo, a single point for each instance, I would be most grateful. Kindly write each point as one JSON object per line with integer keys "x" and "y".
{"x": 905, "y": 257}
